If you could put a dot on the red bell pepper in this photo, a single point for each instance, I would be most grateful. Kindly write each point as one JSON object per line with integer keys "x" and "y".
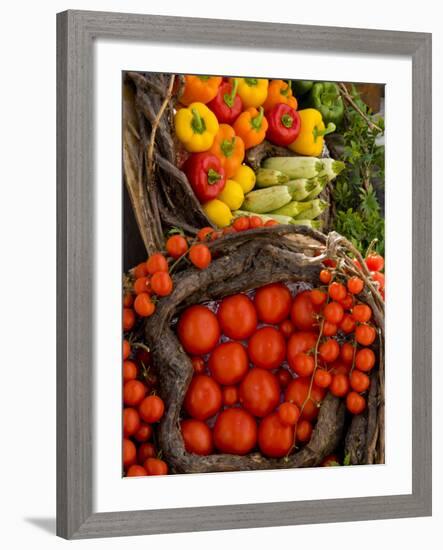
{"x": 226, "y": 105}
{"x": 206, "y": 175}
{"x": 284, "y": 124}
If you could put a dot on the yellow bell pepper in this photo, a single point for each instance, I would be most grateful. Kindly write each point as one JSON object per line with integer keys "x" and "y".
{"x": 245, "y": 176}
{"x": 218, "y": 212}
{"x": 232, "y": 195}
{"x": 310, "y": 140}
{"x": 196, "y": 127}
{"x": 252, "y": 91}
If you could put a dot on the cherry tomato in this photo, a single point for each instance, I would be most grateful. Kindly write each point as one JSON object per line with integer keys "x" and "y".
{"x": 228, "y": 363}
{"x": 241, "y": 224}
{"x": 329, "y": 262}
{"x": 161, "y": 283}
{"x": 337, "y": 291}
{"x": 228, "y": 230}
{"x": 303, "y": 311}
{"x": 267, "y": 348}
{"x": 333, "y": 312}
{"x": 129, "y": 452}
{"x": 302, "y": 364}
{"x": 126, "y": 349}
{"x": 142, "y": 285}
{"x": 273, "y": 303}
{"x": 176, "y": 246}
{"x": 259, "y": 392}
{"x": 146, "y": 450}
{"x": 330, "y": 460}
{"x": 347, "y": 324}
{"x": 143, "y": 304}
{"x": 375, "y": 262}
{"x": 365, "y": 359}
{"x": 318, "y": 297}
{"x": 271, "y": 223}
{"x": 322, "y": 378}
{"x": 347, "y": 353}
{"x": 365, "y": 335}
{"x": 200, "y": 256}
{"x": 130, "y": 370}
{"x": 131, "y": 421}
{"x": 143, "y": 433}
{"x": 348, "y": 301}
{"x": 339, "y": 368}
{"x": 235, "y": 432}
{"x": 203, "y": 398}
{"x": 237, "y": 317}
{"x": 230, "y": 395}
{"x": 355, "y": 285}
{"x": 301, "y": 342}
{"x": 284, "y": 377}
{"x": 255, "y": 221}
{"x": 205, "y": 234}
{"x": 355, "y": 403}
{"x": 360, "y": 381}
{"x": 128, "y": 300}
{"x": 362, "y": 313}
{"x": 156, "y": 262}
{"x": 128, "y": 318}
{"x": 133, "y": 392}
{"x": 140, "y": 270}
{"x": 198, "y": 365}
{"x": 286, "y": 328}
{"x": 379, "y": 278}
{"x": 136, "y": 471}
{"x": 288, "y": 414}
{"x": 198, "y": 330}
{"x": 275, "y": 439}
{"x": 155, "y": 467}
{"x": 329, "y": 350}
{"x": 297, "y": 392}
{"x": 197, "y": 437}
{"x": 325, "y": 276}
{"x": 339, "y": 385}
{"x": 151, "y": 409}
{"x": 304, "y": 431}
{"x": 329, "y": 329}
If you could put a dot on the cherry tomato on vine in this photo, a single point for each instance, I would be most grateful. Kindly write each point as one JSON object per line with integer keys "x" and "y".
{"x": 128, "y": 300}
{"x": 143, "y": 433}
{"x": 275, "y": 439}
{"x": 339, "y": 385}
{"x": 337, "y": 291}
{"x": 360, "y": 381}
{"x": 235, "y": 432}
{"x": 375, "y": 262}
{"x": 197, "y": 437}
{"x": 200, "y": 255}
{"x": 241, "y": 223}
{"x": 130, "y": 370}
{"x": 362, "y": 313}
{"x": 228, "y": 363}
{"x": 365, "y": 335}
{"x": 348, "y": 301}
{"x": 203, "y": 398}
{"x": 151, "y": 409}
{"x": 333, "y": 312}
{"x": 355, "y": 403}
{"x": 288, "y": 413}
{"x": 298, "y": 392}
{"x": 329, "y": 262}
{"x": 325, "y": 276}
{"x": 273, "y": 303}
{"x": 237, "y": 316}
{"x": 329, "y": 350}
{"x": 131, "y": 421}
{"x": 206, "y": 234}
{"x": 304, "y": 431}
{"x": 302, "y": 364}
{"x": 259, "y": 392}
{"x": 255, "y": 221}
{"x": 347, "y": 353}
{"x": 347, "y": 324}
{"x": 128, "y": 318}
{"x": 322, "y": 378}
{"x": 155, "y": 467}
{"x": 267, "y": 348}
{"x": 146, "y": 450}
{"x": 318, "y": 297}
{"x": 176, "y": 246}
{"x": 143, "y": 305}
{"x": 161, "y": 283}
{"x": 271, "y": 223}
{"x": 329, "y": 329}
{"x": 156, "y": 262}
{"x": 365, "y": 359}
{"x": 136, "y": 471}
{"x": 126, "y": 349}
{"x": 300, "y": 342}
{"x": 140, "y": 270}
{"x": 133, "y": 392}
{"x": 380, "y": 279}
{"x": 198, "y": 330}
{"x": 303, "y": 313}
{"x": 355, "y": 285}
{"x": 129, "y": 452}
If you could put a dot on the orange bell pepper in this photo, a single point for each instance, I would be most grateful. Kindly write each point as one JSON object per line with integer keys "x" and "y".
{"x": 229, "y": 149}
{"x": 279, "y": 91}
{"x": 251, "y": 126}
{"x": 200, "y": 88}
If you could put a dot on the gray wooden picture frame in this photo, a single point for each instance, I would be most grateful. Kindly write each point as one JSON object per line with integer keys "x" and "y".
{"x": 76, "y": 32}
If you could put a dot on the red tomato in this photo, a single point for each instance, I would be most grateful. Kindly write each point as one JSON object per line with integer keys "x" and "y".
{"x": 304, "y": 431}
{"x": 303, "y": 311}
{"x": 126, "y": 349}
{"x": 133, "y": 392}
{"x": 329, "y": 350}
{"x": 155, "y": 467}
{"x": 206, "y": 234}
{"x": 288, "y": 413}
{"x": 347, "y": 324}
{"x": 275, "y": 439}
{"x": 259, "y": 392}
{"x": 142, "y": 284}
{"x": 140, "y": 271}
{"x": 347, "y": 353}
{"x": 360, "y": 381}
{"x": 143, "y": 304}
{"x": 203, "y": 398}
{"x": 198, "y": 365}
{"x": 161, "y": 283}
{"x": 333, "y": 312}
{"x": 151, "y": 409}
{"x": 329, "y": 329}
{"x": 339, "y": 385}
{"x": 379, "y": 278}
{"x": 136, "y": 471}
{"x": 230, "y": 395}
{"x": 176, "y": 246}
{"x": 365, "y": 335}
{"x": 130, "y": 370}
{"x": 131, "y": 421}
{"x": 325, "y": 276}
{"x": 318, "y": 297}
{"x": 241, "y": 223}
{"x": 273, "y": 303}
{"x": 128, "y": 318}
{"x": 198, "y": 330}
{"x": 237, "y": 317}
{"x": 235, "y": 432}
{"x": 146, "y": 450}
{"x": 302, "y": 364}
{"x": 200, "y": 256}
{"x": 301, "y": 342}
{"x": 362, "y": 313}
{"x": 375, "y": 262}
{"x": 197, "y": 437}
{"x": 267, "y": 348}
{"x": 286, "y": 328}
{"x": 365, "y": 359}
{"x": 143, "y": 433}
{"x": 128, "y": 300}
{"x": 271, "y": 223}
{"x": 355, "y": 403}
{"x": 284, "y": 377}
{"x": 322, "y": 378}
{"x": 228, "y": 363}
{"x": 156, "y": 262}
{"x": 297, "y": 392}
{"x": 355, "y": 285}
{"x": 337, "y": 291}
{"x": 255, "y": 221}
{"x": 129, "y": 452}
{"x": 347, "y": 302}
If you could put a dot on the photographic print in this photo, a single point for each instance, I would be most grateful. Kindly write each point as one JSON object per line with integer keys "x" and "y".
{"x": 253, "y": 274}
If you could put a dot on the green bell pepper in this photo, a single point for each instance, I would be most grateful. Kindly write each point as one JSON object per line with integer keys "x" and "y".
{"x": 301, "y": 87}
{"x": 326, "y": 98}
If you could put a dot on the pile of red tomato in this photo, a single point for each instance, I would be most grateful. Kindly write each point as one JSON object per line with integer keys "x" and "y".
{"x": 263, "y": 365}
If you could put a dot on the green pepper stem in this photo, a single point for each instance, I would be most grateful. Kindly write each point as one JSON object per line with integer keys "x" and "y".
{"x": 256, "y": 122}
{"x": 229, "y": 98}
{"x": 287, "y": 121}
{"x": 285, "y": 91}
{"x": 251, "y": 81}
{"x": 197, "y": 123}
{"x": 319, "y": 133}
{"x": 227, "y": 147}
{"x": 213, "y": 176}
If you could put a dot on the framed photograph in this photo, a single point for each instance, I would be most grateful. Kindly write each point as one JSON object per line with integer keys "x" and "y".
{"x": 231, "y": 197}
